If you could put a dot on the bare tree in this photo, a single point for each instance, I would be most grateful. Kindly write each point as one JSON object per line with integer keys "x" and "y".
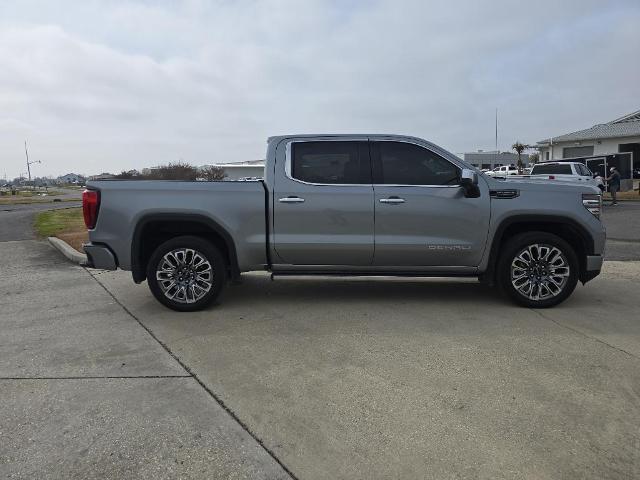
{"x": 211, "y": 173}
{"x": 129, "y": 175}
{"x": 174, "y": 171}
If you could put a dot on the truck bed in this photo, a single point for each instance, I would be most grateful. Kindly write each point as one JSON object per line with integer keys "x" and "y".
{"x": 237, "y": 206}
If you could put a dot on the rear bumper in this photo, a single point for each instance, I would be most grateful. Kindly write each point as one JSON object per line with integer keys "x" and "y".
{"x": 100, "y": 256}
{"x": 593, "y": 265}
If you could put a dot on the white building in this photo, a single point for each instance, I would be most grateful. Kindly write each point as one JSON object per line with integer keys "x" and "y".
{"x": 617, "y": 136}
{"x": 102, "y": 176}
{"x": 238, "y": 170}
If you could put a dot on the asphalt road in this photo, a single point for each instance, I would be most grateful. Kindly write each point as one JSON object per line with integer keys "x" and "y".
{"x": 623, "y": 231}
{"x": 16, "y": 221}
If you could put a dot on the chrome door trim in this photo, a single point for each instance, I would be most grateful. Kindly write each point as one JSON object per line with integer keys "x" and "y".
{"x": 291, "y": 200}
{"x": 287, "y": 162}
{"x": 421, "y": 186}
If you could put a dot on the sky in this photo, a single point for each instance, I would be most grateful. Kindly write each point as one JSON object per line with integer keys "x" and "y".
{"x": 105, "y": 86}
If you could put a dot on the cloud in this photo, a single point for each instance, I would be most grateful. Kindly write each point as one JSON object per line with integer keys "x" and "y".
{"x": 129, "y": 84}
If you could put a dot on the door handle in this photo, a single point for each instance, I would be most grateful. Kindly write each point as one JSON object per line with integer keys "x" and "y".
{"x": 291, "y": 200}
{"x": 392, "y": 200}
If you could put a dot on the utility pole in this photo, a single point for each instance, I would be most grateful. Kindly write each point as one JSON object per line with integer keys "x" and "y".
{"x": 496, "y": 149}
{"x": 28, "y": 162}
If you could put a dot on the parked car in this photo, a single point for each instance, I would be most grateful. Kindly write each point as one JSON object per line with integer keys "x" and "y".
{"x": 563, "y": 171}
{"x": 348, "y": 205}
{"x": 503, "y": 171}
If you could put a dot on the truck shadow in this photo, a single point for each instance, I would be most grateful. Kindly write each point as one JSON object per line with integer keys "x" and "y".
{"x": 259, "y": 289}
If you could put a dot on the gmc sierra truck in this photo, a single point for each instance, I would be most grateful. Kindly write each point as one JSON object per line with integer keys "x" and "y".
{"x": 365, "y": 205}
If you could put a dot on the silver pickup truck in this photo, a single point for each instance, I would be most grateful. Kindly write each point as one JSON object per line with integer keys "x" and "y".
{"x": 383, "y": 205}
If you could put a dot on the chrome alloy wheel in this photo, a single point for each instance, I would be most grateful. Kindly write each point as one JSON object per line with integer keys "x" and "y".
{"x": 184, "y": 275}
{"x": 539, "y": 271}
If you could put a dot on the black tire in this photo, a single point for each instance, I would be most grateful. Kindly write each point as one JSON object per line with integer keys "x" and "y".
{"x": 189, "y": 284}
{"x": 542, "y": 276}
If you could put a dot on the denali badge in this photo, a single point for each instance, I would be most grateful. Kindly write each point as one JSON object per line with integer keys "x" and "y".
{"x": 449, "y": 247}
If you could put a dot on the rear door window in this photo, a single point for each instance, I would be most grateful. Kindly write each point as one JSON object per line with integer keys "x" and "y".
{"x": 331, "y": 162}
{"x": 554, "y": 169}
{"x": 400, "y": 163}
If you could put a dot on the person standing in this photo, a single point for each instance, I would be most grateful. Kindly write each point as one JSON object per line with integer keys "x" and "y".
{"x": 614, "y": 184}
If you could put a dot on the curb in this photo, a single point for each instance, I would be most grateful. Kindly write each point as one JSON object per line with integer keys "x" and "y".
{"x": 68, "y": 251}
{"x": 624, "y": 240}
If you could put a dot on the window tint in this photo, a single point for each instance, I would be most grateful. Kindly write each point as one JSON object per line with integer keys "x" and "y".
{"x": 330, "y": 162}
{"x": 407, "y": 164}
{"x": 552, "y": 169}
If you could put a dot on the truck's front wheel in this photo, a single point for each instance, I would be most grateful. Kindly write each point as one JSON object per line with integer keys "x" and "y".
{"x": 186, "y": 273}
{"x": 538, "y": 269}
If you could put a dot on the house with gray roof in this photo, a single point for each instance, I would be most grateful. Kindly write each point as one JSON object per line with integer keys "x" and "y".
{"x": 617, "y": 136}
{"x": 71, "y": 178}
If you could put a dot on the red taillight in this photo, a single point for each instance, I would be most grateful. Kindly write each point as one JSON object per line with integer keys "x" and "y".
{"x": 552, "y": 177}
{"x": 90, "y": 206}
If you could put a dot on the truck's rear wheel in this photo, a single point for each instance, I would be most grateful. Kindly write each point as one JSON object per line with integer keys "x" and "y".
{"x": 538, "y": 269}
{"x": 186, "y": 273}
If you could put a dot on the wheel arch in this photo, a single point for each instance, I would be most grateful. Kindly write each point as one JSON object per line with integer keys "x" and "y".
{"x": 566, "y": 228}
{"x": 156, "y": 228}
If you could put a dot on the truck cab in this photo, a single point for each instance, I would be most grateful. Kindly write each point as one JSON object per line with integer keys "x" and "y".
{"x": 372, "y": 203}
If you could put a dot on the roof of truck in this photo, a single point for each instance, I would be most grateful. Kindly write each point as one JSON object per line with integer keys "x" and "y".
{"x": 344, "y": 135}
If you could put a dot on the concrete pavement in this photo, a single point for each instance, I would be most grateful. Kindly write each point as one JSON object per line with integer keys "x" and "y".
{"x": 87, "y": 392}
{"x": 399, "y": 378}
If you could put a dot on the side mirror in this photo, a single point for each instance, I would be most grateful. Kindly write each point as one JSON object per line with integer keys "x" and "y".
{"x": 469, "y": 181}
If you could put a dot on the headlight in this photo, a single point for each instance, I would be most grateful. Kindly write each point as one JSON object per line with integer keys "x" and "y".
{"x": 593, "y": 203}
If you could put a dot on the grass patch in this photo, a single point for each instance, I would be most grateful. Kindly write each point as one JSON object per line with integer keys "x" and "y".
{"x": 19, "y": 200}
{"x": 30, "y": 193}
{"x": 66, "y": 223}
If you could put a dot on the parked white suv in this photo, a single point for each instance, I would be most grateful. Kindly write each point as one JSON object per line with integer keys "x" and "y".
{"x": 503, "y": 171}
{"x": 564, "y": 171}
